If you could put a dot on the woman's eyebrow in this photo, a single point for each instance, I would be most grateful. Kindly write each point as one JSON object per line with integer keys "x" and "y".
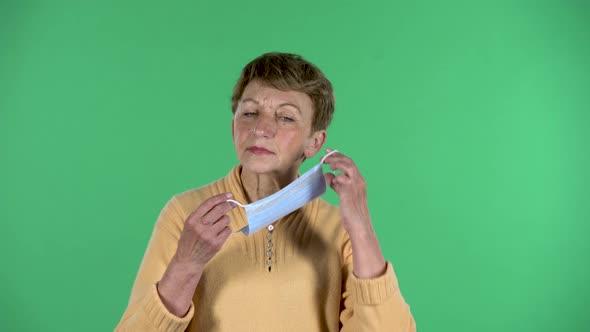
{"x": 290, "y": 104}
{"x": 281, "y": 105}
{"x": 250, "y": 100}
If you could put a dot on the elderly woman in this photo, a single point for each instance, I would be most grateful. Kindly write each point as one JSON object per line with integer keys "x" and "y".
{"x": 318, "y": 268}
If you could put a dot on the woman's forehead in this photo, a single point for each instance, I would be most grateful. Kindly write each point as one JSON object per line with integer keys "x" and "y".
{"x": 265, "y": 95}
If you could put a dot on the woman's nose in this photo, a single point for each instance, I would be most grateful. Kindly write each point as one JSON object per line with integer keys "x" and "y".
{"x": 265, "y": 127}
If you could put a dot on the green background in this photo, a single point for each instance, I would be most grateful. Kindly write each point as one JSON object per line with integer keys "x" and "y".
{"x": 470, "y": 121}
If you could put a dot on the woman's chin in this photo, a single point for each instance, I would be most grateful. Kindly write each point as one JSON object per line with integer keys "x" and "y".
{"x": 259, "y": 166}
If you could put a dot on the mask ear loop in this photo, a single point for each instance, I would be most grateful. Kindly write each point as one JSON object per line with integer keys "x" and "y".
{"x": 239, "y": 204}
{"x": 326, "y": 156}
{"x": 236, "y": 202}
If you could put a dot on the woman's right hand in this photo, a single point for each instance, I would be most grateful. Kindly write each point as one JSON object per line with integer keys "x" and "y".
{"x": 205, "y": 231}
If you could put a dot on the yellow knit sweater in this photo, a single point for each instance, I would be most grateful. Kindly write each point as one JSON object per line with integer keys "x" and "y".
{"x": 310, "y": 287}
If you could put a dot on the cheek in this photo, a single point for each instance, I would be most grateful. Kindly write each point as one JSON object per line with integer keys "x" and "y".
{"x": 242, "y": 131}
{"x": 291, "y": 139}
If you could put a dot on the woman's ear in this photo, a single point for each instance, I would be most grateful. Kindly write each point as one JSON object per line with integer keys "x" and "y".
{"x": 315, "y": 143}
{"x": 232, "y": 128}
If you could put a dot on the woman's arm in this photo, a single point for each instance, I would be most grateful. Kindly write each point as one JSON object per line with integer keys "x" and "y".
{"x": 372, "y": 304}
{"x": 161, "y": 299}
{"x": 371, "y": 297}
{"x": 146, "y": 311}
{"x": 177, "y": 287}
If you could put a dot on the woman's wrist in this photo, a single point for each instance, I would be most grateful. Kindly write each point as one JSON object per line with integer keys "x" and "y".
{"x": 186, "y": 269}
{"x": 368, "y": 260}
{"x": 177, "y": 286}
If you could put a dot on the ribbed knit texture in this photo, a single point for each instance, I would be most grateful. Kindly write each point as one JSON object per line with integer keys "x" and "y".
{"x": 310, "y": 286}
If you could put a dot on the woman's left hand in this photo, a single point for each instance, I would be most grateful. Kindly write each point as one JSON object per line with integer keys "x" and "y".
{"x": 352, "y": 192}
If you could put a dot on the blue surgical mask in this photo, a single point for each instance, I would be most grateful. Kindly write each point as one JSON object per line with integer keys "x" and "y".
{"x": 303, "y": 190}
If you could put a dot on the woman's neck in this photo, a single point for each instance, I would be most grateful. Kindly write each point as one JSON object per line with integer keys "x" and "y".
{"x": 258, "y": 186}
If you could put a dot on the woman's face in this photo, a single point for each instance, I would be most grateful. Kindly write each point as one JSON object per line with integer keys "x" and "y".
{"x": 272, "y": 129}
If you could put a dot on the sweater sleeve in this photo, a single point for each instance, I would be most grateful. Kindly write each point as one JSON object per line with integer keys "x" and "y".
{"x": 373, "y": 304}
{"x": 145, "y": 310}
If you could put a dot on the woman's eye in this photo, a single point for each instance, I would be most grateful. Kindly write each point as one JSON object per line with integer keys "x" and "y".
{"x": 286, "y": 118}
{"x": 249, "y": 114}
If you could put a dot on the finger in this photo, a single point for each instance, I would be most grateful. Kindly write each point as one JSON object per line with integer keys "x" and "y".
{"x": 210, "y": 203}
{"x": 332, "y": 157}
{"x": 341, "y": 179}
{"x": 336, "y": 182}
{"x": 220, "y": 224}
{"x": 339, "y": 159}
{"x": 224, "y": 233}
{"x": 329, "y": 177}
{"x": 333, "y": 182}
{"x": 217, "y": 212}
{"x": 345, "y": 166}
{"x": 219, "y": 239}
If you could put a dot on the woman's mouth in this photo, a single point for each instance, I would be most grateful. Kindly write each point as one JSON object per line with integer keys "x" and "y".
{"x": 257, "y": 150}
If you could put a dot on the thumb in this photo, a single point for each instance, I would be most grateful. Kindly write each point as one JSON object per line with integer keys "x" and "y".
{"x": 329, "y": 177}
